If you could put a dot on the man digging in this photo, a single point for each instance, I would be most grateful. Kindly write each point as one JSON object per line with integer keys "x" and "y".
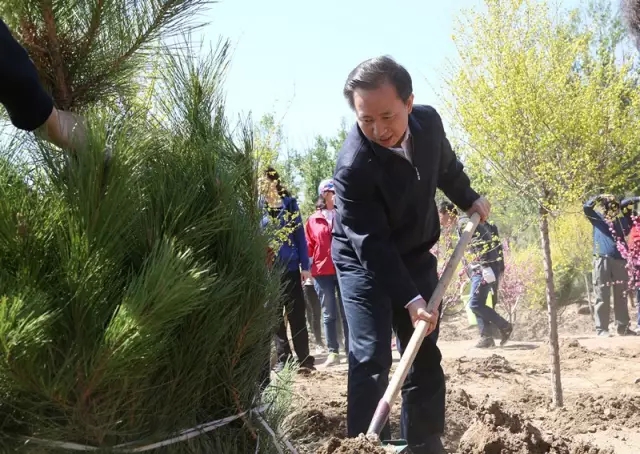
{"x": 386, "y": 222}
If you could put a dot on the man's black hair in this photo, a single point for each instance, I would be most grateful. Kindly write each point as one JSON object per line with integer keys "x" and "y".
{"x": 372, "y": 73}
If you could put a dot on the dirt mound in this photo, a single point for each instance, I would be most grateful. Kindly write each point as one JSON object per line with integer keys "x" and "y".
{"x": 500, "y": 431}
{"x": 588, "y": 414}
{"x": 461, "y": 411}
{"x": 353, "y": 446}
{"x": 482, "y": 366}
{"x": 311, "y": 424}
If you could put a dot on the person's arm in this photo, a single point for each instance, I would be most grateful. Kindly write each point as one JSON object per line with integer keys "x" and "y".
{"x": 629, "y": 202}
{"x": 311, "y": 243}
{"x": 367, "y": 228}
{"x": 28, "y": 104}
{"x": 589, "y": 209}
{"x": 452, "y": 179}
{"x": 299, "y": 238}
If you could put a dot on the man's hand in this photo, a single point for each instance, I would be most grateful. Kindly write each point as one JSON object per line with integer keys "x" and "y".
{"x": 305, "y": 275}
{"x": 418, "y": 311}
{"x": 64, "y": 129}
{"x": 482, "y": 207}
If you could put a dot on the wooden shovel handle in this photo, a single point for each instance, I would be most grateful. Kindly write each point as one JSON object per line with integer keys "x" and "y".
{"x": 409, "y": 355}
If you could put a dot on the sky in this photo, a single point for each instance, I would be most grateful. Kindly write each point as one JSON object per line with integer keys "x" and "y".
{"x": 291, "y": 58}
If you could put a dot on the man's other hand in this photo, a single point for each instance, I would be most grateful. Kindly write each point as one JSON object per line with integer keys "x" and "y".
{"x": 305, "y": 275}
{"x": 418, "y": 311}
{"x": 482, "y": 207}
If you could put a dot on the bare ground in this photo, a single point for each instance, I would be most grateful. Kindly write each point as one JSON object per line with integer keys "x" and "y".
{"x": 498, "y": 400}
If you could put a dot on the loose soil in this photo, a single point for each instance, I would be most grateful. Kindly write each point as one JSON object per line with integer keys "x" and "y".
{"x": 498, "y": 400}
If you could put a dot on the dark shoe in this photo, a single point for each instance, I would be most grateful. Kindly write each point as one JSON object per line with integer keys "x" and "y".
{"x": 279, "y": 367}
{"x": 308, "y": 363}
{"x": 505, "y": 334}
{"x": 626, "y": 332}
{"x": 486, "y": 342}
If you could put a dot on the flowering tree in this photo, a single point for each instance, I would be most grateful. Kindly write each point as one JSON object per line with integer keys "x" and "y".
{"x": 513, "y": 284}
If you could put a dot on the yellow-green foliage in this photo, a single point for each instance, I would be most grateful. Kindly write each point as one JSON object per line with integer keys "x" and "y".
{"x": 571, "y": 245}
{"x": 548, "y": 117}
{"x": 571, "y": 252}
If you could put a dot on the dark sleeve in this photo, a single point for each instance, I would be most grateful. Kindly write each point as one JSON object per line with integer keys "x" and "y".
{"x": 21, "y": 93}
{"x": 480, "y": 243}
{"x": 452, "y": 179}
{"x": 590, "y": 212}
{"x": 629, "y": 202}
{"x": 366, "y": 226}
{"x": 300, "y": 239}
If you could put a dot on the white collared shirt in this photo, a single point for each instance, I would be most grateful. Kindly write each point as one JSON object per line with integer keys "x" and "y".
{"x": 404, "y": 150}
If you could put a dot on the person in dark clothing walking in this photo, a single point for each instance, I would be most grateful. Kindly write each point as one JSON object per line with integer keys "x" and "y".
{"x": 386, "y": 222}
{"x": 283, "y": 216}
{"x": 29, "y": 106}
{"x": 609, "y": 267}
{"x": 485, "y": 270}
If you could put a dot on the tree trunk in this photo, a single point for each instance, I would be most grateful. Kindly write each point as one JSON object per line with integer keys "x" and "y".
{"x": 551, "y": 310}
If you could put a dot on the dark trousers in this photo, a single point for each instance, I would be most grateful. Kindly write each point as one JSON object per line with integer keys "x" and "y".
{"x": 371, "y": 316}
{"x": 294, "y": 311}
{"x": 314, "y": 312}
{"x": 610, "y": 279}
{"x": 486, "y": 316}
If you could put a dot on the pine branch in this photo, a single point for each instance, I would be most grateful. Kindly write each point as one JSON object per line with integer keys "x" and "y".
{"x": 94, "y": 26}
{"x": 64, "y": 96}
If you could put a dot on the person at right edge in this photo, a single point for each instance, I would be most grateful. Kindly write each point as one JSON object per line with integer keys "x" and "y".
{"x": 29, "y": 106}
{"x": 386, "y": 222}
{"x": 609, "y": 267}
{"x": 485, "y": 270}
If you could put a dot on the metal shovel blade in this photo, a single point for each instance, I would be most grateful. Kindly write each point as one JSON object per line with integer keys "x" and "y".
{"x": 399, "y": 446}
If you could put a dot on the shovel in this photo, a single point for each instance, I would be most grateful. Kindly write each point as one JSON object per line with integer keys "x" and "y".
{"x": 381, "y": 415}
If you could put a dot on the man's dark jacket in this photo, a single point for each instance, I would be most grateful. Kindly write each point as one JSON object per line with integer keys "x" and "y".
{"x": 386, "y": 217}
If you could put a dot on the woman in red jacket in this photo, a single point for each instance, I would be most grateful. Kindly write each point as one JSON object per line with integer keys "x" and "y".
{"x": 318, "y": 232}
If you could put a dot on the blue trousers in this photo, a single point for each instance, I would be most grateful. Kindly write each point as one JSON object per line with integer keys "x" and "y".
{"x": 371, "y": 316}
{"x": 485, "y": 315}
{"x": 329, "y": 293}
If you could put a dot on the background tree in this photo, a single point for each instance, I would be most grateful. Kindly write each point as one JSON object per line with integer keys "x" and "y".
{"x": 318, "y": 163}
{"x": 91, "y": 52}
{"x": 547, "y": 112}
{"x": 270, "y": 149}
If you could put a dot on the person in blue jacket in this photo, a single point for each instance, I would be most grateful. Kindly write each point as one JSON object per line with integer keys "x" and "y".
{"x": 282, "y": 219}
{"x": 29, "y": 106}
{"x": 610, "y": 277}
